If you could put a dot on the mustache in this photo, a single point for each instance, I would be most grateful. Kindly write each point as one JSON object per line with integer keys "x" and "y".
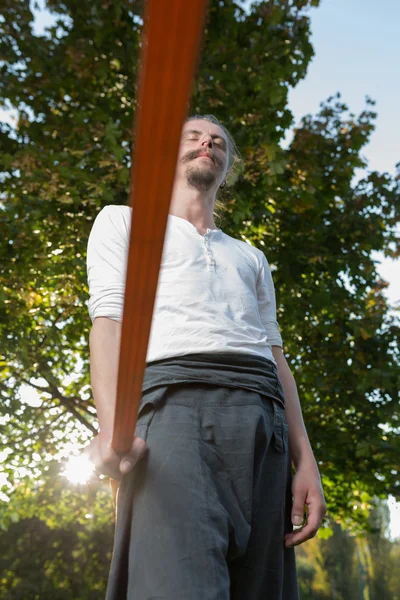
{"x": 195, "y": 153}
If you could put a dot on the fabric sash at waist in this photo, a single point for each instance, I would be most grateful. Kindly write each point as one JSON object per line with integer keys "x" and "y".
{"x": 236, "y": 370}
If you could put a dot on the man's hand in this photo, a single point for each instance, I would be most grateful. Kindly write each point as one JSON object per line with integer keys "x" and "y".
{"x": 307, "y": 492}
{"x": 107, "y": 462}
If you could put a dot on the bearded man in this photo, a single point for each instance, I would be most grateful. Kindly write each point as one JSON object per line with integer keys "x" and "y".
{"x": 207, "y": 513}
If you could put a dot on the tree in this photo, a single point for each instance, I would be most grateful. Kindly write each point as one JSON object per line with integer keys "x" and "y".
{"x": 345, "y": 344}
{"x": 58, "y": 544}
{"x": 350, "y": 567}
{"x": 394, "y": 577}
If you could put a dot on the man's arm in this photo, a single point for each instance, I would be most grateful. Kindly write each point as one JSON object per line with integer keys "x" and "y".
{"x": 104, "y": 342}
{"x": 105, "y": 339}
{"x": 306, "y": 487}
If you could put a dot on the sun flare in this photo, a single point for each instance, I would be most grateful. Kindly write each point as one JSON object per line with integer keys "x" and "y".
{"x": 78, "y": 469}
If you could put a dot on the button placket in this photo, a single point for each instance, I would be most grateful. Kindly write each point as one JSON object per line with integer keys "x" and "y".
{"x": 208, "y": 253}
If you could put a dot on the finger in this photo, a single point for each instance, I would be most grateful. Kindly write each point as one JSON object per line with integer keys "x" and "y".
{"x": 306, "y": 532}
{"x": 106, "y": 462}
{"x": 103, "y": 458}
{"x": 299, "y": 500}
{"x": 137, "y": 452}
{"x": 109, "y": 470}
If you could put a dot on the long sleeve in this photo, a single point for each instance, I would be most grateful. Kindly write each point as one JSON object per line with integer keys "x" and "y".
{"x": 106, "y": 262}
{"x": 267, "y": 303}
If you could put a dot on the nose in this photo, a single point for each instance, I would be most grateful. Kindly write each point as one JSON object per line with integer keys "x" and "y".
{"x": 207, "y": 142}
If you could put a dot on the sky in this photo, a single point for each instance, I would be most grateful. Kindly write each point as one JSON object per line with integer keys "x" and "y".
{"x": 357, "y": 48}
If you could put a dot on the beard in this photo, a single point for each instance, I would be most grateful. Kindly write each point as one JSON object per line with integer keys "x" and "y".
{"x": 201, "y": 179}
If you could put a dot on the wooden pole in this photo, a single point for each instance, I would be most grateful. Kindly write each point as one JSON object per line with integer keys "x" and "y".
{"x": 170, "y": 47}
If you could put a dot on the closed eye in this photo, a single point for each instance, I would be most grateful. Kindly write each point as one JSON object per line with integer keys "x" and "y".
{"x": 194, "y": 135}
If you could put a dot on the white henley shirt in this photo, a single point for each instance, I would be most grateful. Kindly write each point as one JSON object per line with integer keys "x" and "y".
{"x": 215, "y": 293}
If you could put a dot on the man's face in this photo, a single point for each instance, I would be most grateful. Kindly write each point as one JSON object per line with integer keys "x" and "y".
{"x": 203, "y": 154}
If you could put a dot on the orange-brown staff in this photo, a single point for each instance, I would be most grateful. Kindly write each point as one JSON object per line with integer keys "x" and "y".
{"x": 170, "y": 45}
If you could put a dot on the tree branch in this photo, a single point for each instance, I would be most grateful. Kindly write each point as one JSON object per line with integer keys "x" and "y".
{"x": 67, "y": 402}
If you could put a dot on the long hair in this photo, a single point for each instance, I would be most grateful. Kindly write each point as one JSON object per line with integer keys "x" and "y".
{"x": 235, "y": 160}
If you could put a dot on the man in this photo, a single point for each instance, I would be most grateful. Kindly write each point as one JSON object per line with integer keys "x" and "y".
{"x": 207, "y": 512}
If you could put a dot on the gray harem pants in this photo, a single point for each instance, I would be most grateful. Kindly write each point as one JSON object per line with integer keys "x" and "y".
{"x": 203, "y": 514}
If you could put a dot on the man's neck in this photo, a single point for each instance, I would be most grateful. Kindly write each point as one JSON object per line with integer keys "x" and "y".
{"x": 193, "y": 206}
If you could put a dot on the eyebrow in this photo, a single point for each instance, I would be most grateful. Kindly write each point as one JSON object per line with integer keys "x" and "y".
{"x": 214, "y": 136}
